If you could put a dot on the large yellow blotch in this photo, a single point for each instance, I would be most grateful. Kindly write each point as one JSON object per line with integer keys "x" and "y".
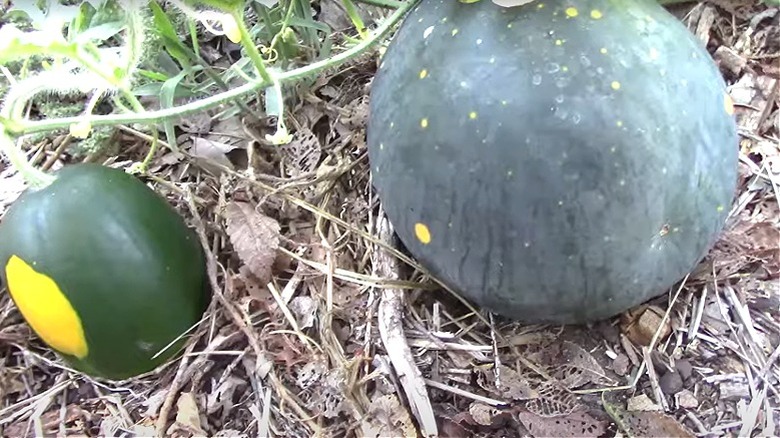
{"x": 572, "y": 12}
{"x": 728, "y": 104}
{"x": 45, "y": 308}
{"x": 422, "y": 232}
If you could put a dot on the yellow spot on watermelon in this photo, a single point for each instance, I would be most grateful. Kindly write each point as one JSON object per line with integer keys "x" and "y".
{"x": 423, "y": 73}
{"x": 728, "y": 104}
{"x": 473, "y": 115}
{"x": 654, "y": 53}
{"x": 540, "y": 6}
{"x": 721, "y": 208}
{"x": 596, "y": 14}
{"x": 45, "y": 308}
{"x": 454, "y": 31}
{"x": 572, "y": 12}
{"x": 603, "y": 50}
{"x": 558, "y": 42}
{"x": 619, "y": 123}
{"x": 422, "y": 232}
{"x": 615, "y": 85}
{"x": 424, "y": 123}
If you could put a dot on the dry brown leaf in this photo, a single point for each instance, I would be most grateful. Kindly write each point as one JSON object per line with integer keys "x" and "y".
{"x": 221, "y": 396}
{"x": 311, "y": 373}
{"x": 483, "y": 414}
{"x": 644, "y": 423}
{"x": 751, "y": 94}
{"x": 386, "y": 417}
{"x": 642, "y": 403}
{"x": 255, "y": 238}
{"x": 187, "y": 415}
{"x": 553, "y": 400}
{"x": 353, "y": 118}
{"x": 197, "y": 123}
{"x": 305, "y": 310}
{"x": 578, "y": 367}
{"x": 575, "y": 424}
{"x": 302, "y": 154}
{"x": 655, "y": 424}
{"x": 512, "y": 385}
{"x": 207, "y": 152}
{"x": 759, "y": 238}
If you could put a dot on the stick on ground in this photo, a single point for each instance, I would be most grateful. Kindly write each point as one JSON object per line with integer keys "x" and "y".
{"x": 391, "y": 330}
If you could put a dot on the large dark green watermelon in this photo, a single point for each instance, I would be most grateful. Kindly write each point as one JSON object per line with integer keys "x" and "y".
{"x": 559, "y": 161}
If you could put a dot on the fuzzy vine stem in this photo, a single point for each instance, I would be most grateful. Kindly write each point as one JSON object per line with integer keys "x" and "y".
{"x": 18, "y": 127}
{"x": 35, "y": 178}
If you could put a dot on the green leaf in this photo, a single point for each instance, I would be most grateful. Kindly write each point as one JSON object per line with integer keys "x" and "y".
{"x": 15, "y": 44}
{"x": 222, "y": 5}
{"x": 167, "y": 32}
{"x": 34, "y": 14}
{"x": 100, "y": 33}
{"x": 167, "y": 95}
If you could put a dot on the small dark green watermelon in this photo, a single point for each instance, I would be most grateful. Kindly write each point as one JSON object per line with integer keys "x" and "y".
{"x": 559, "y": 161}
{"x": 104, "y": 270}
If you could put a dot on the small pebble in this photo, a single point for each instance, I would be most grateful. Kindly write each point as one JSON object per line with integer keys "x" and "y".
{"x": 684, "y": 367}
{"x": 642, "y": 403}
{"x": 670, "y": 382}
{"x": 620, "y": 365}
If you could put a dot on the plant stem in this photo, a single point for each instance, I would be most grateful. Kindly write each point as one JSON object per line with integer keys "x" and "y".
{"x": 36, "y": 179}
{"x": 389, "y": 4}
{"x": 249, "y": 44}
{"x": 28, "y": 127}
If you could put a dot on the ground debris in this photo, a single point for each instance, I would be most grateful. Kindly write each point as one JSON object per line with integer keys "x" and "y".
{"x": 574, "y": 424}
{"x": 386, "y": 417}
{"x": 255, "y": 237}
